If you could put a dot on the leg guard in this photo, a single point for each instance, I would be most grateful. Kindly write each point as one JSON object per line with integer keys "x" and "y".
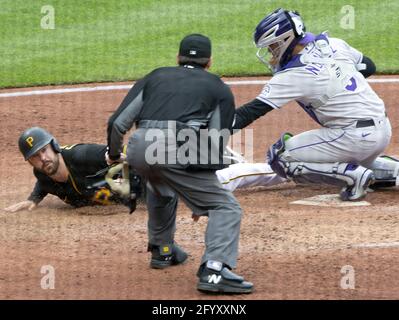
{"x": 326, "y": 173}
{"x": 353, "y": 179}
{"x": 386, "y": 171}
{"x": 273, "y": 155}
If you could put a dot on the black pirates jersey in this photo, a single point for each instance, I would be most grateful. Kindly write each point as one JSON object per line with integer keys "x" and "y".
{"x": 86, "y": 165}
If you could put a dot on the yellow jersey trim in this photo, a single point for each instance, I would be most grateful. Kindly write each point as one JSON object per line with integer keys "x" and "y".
{"x": 249, "y": 175}
{"x": 68, "y": 147}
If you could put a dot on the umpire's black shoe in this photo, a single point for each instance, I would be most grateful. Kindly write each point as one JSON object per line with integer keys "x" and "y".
{"x": 166, "y": 255}
{"x": 215, "y": 277}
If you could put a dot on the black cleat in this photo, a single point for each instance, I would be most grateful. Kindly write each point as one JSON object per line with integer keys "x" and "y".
{"x": 166, "y": 255}
{"x": 215, "y": 277}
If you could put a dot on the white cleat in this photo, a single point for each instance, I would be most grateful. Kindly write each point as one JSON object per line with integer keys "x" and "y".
{"x": 234, "y": 156}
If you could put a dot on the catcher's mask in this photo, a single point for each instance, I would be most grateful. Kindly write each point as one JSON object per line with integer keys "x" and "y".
{"x": 276, "y": 36}
{"x": 34, "y": 139}
{"x": 129, "y": 189}
{"x": 121, "y": 180}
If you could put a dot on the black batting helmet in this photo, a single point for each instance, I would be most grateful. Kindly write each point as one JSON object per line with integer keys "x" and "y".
{"x": 34, "y": 139}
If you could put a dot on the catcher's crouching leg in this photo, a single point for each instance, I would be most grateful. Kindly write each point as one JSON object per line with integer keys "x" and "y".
{"x": 352, "y": 178}
{"x": 386, "y": 171}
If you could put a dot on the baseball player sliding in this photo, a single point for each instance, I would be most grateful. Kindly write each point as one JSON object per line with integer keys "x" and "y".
{"x": 326, "y": 77}
{"x": 242, "y": 174}
{"x": 77, "y": 174}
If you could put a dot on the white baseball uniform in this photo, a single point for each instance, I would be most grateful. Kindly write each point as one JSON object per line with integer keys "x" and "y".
{"x": 335, "y": 95}
{"x": 324, "y": 80}
{"x": 244, "y": 175}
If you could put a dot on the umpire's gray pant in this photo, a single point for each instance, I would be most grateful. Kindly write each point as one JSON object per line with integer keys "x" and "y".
{"x": 201, "y": 191}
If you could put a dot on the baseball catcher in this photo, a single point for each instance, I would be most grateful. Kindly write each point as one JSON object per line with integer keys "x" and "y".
{"x": 326, "y": 77}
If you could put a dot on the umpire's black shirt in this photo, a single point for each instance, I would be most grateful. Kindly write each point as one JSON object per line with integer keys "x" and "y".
{"x": 181, "y": 94}
{"x": 82, "y": 161}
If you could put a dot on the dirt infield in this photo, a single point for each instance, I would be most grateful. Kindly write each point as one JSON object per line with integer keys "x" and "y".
{"x": 288, "y": 251}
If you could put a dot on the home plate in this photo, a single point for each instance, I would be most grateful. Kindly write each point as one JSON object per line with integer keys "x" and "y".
{"x": 329, "y": 200}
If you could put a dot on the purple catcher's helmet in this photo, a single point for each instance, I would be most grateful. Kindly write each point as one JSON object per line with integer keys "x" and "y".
{"x": 277, "y": 35}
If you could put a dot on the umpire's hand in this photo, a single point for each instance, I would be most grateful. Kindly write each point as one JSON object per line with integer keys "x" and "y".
{"x": 122, "y": 158}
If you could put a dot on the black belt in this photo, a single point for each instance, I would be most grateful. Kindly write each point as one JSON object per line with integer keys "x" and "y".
{"x": 168, "y": 124}
{"x": 159, "y": 124}
{"x": 364, "y": 123}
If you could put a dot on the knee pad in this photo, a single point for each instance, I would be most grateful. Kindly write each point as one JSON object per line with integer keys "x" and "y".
{"x": 274, "y": 153}
{"x": 386, "y": 171}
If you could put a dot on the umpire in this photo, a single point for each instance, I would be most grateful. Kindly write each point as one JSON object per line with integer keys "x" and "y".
{"x": 164, "y": 104}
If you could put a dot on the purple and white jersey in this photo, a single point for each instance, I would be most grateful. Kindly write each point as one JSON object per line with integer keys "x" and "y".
{"x": 323, "y": 78}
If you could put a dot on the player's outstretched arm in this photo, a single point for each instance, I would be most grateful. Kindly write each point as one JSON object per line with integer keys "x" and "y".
{"x": 249, "y": 112}
{"x": 27, "y": 204}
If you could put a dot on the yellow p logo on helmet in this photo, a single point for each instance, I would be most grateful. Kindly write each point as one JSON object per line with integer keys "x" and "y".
{"x": 29, "y": 140}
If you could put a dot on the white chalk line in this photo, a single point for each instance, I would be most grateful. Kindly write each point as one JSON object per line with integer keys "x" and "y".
{"x": 128, "y": 86}
{"x": 376, "y": 245}
{"x": 63, "y": 90}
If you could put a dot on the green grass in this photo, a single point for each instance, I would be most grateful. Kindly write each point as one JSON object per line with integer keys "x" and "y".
{"x": 113, "y": 40}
